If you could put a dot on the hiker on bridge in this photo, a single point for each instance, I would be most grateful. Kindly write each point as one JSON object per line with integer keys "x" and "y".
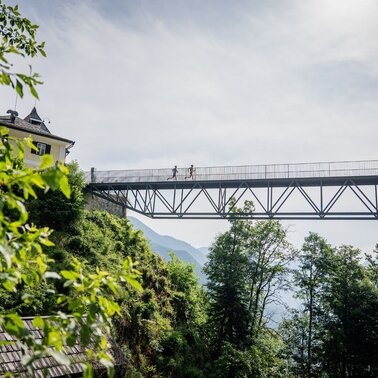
{"x": 174, "y": 174}
{"x": 191, "y": 170}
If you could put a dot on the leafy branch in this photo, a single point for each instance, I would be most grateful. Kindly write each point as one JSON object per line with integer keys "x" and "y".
{"x": 18, "y": 37}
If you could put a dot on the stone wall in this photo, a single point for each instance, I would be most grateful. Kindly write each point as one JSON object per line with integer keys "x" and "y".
{"x": 97, "y": 203}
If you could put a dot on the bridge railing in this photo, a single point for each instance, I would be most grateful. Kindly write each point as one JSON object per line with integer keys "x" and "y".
{"x": 243, "y": 172}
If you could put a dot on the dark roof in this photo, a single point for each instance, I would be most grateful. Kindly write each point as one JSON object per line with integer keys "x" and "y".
{"x": 33, "y": 116}
{"x": 10, "y": 358}
{"x": 26, "y": 125}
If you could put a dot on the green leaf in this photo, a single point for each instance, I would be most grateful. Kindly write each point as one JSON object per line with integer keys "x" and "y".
{"x": 9, "y": 286}
{"x": 87, "y": 370}
{"x": 19, "y": 89}
{"x": 7, "y": 254}
{"x": 15, "y": 319}
{"x": 65, "y": 186}
{"x": 54, "y": 339}
{"x": 69, "y": 275}
{"x": 33, "y": 91}
{"x": 133, "y": 282}
{"x": 85, "y": 335}
{"x": 52, "y": 178}
{"x": 92, "y": 312}
{"x": 38, "y": 322}
{"x": 46, "y": 161}
{"x": 112, "y": 287}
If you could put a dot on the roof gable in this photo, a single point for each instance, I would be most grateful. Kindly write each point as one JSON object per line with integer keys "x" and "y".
{"x": 34, "y": 119}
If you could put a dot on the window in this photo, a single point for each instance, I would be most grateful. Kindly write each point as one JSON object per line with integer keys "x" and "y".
{"x": 43, "y": 148}
{"x": 35, "y": 121}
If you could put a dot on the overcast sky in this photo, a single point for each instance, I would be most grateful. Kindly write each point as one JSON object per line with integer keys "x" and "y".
{"x": 151, "y": 84}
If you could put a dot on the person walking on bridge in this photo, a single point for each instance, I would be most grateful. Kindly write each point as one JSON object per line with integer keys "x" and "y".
{"x": 174, "y": 174}
{"x": 191, "y": 170}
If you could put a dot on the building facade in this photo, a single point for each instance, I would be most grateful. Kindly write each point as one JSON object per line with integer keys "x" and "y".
{"x": 33, "y": 126}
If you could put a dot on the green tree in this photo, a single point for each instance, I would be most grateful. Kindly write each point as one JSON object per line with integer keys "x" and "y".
{"x": 55, "y": 210}
{"x": 351, "y": 300}
{"x": 310, "y": 278}
{"x": 335, "y": 333}
{"x": 188, "y": 296}
{"x": 184, "y": 351}
{"x": 247, "y": 266}
{"x": 294, "y": 333}
{"x": 226, "y": 271}
{"x": 372, "y": 268}
{"x": 269, "y": 254}
{"x": 261, "y": 360}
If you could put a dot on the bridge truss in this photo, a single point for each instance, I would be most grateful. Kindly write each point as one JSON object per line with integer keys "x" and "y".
{"x": 343, "y": 190}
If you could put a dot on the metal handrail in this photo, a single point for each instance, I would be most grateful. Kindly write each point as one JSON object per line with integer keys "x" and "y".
{"x": 243, "y": 172}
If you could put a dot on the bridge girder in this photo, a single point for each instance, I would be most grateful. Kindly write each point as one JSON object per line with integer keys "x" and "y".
{"x": 178, "y": 200}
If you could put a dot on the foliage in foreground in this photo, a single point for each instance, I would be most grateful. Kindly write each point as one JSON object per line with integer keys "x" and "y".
{"x": 83, "y": 310}
{"x": 18, "y": 37}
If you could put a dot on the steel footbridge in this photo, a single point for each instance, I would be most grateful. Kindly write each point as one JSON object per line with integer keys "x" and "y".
{"x": 326, "y": 190}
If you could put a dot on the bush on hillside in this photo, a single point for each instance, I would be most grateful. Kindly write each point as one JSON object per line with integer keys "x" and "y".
{"x": 53, "y": 209}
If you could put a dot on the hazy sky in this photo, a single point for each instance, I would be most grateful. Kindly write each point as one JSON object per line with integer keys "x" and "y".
{"x": 150, "y": 84}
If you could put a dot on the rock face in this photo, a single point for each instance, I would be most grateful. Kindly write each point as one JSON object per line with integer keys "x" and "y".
{"x": 97, "y": 203}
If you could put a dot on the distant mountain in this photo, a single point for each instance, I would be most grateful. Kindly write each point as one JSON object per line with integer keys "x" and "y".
{"x": 204, "y": 250}
{"x": 163, "y": 244}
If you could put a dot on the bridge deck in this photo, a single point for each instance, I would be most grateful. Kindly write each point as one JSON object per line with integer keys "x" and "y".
{"x": 278, "y": 175}
{"x": 318, "y": 188}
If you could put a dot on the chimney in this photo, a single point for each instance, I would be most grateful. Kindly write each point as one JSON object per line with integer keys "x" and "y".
{"x": 13, "y": 115}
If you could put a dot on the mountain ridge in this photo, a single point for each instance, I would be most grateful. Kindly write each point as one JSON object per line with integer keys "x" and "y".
{"x": 163, "y": 244}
